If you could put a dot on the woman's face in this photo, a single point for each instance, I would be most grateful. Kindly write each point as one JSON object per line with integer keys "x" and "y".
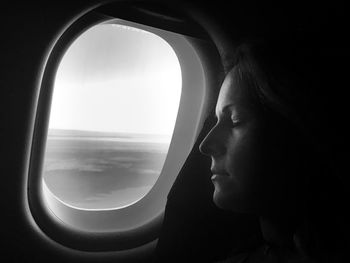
{"x": 238, "y": 146}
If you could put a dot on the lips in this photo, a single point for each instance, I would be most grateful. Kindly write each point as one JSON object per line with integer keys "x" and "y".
{"x": 218, "y": 173}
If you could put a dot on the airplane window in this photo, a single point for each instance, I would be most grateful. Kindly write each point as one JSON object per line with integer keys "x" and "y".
{"x": 114, "y": 106}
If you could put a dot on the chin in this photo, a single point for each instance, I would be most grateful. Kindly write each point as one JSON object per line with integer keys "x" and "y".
{"x": 218, "y": 201}
{"x": 224, "y": 201}
{"x": 231, "y": 202}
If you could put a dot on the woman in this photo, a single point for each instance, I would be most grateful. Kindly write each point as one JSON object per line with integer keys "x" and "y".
{"x": 266, "y": 159}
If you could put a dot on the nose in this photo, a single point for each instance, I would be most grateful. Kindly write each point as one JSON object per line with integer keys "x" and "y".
{"x": 212, "y": 144}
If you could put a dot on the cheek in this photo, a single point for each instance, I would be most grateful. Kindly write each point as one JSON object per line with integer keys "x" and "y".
{"x": 244, "y": 160}
{"x": 239, "y": 190}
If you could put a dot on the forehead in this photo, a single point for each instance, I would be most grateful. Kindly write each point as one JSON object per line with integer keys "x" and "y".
{"x": 233, "y": 92}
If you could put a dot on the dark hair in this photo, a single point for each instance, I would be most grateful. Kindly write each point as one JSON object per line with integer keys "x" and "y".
{"x": 289, "y": 80}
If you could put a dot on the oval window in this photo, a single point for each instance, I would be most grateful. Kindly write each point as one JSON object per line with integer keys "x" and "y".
{"x": 114, "y": 106}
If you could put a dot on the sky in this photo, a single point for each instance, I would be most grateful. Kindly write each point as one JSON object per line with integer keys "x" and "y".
{"x": 116, "y": 78}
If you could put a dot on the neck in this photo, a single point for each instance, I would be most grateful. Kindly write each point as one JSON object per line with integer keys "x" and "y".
{"x": 279, "y": 231}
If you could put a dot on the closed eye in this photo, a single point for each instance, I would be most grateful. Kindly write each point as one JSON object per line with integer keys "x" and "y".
{"x": 235, "y": 121}
{"x": 227, "y": 121}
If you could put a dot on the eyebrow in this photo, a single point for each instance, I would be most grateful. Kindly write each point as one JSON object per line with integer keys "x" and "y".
{"x": 240, "y": 111}
{"x": 227, "y": 107}
{"x": 225, "y": 110}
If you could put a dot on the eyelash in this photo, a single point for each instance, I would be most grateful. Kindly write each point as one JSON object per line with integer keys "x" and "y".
{"x": 234, "y": 123}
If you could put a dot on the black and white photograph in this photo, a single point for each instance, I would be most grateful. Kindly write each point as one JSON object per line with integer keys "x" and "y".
{"x": 170, "y": 131}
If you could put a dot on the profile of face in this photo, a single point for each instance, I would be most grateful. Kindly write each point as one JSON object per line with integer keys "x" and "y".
{"x": 240, "y": 149}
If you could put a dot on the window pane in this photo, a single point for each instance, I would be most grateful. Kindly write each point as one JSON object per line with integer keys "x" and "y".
{"x": 114, "y": 106}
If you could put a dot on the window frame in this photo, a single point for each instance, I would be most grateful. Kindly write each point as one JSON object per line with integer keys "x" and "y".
{"x": 129, "y": 237}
